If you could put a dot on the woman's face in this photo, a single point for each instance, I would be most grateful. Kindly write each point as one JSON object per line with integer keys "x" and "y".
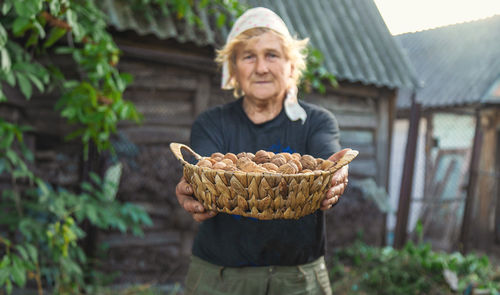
{"x": 262, "y": 70}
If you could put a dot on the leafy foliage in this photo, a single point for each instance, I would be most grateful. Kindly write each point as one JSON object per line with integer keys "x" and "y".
{"x": 316, "y": 74}
{"x": 415, "y": 269}
{"x": 44, "y": 226}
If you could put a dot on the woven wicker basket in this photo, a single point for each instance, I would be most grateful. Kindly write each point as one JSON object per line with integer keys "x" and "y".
{"x": 259, "y": 195}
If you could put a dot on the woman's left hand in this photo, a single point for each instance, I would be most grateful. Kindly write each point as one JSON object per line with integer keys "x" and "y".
{"x": 339, "y": 183}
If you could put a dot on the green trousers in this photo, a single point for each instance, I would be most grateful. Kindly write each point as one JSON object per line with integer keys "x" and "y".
{"x": 206, "y": 278}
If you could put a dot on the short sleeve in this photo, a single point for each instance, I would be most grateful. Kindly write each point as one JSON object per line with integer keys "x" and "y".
{"x": 324, "y": 138}
{"x": 206, "y": 133}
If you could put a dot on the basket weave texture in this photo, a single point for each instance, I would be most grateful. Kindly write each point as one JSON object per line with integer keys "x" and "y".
{"x": 260, "y": 195}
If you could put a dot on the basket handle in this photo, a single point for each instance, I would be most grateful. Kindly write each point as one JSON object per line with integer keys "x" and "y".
{"x": 176, "y": 149}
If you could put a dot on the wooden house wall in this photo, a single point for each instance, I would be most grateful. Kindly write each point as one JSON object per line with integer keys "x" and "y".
{"x": 365, "y": 115}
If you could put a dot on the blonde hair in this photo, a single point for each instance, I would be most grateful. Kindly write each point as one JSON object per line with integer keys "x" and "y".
{"x": 294, "y": 49}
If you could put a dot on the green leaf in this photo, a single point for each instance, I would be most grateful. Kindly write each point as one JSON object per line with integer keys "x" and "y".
{"x": 39, "y": 84}
{"x": 72, "y": 19}
{"x": 5, "y": 262}
{"x": 6, "y": 62}
{"x": 221, "y": 20}
{"x": 24, "y": 84}
{"x": 18, "y": 272}
{"x": 12, "y": 156}
{"x": 10, "y": 78}
{"x": 64, "y": 50}
{"x": 55, "y": 34}
{"x": 87, "y": 186}
{"x": 92, "y": 214}
{"x": 21, "y": 24}
{"x": 28, "y": 8}
{"x": 3, "y": 98}
{"x": 55, "y": 7}
{"x": 8, "y": 286}
{"x": 4, "y": 274}
{"x": 3, "y": 36}
{"x": 22, "y": 252}
{"x": 33, "y": 252}
{"x": 7, "y": 140}
{"x": 5, "y": 9}
{"x": 97, "y": 180}
{"x": 112, "y": 180}
{"x": 32, "y": 40}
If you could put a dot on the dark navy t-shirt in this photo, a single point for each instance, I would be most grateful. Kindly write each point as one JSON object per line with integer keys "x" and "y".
{"x": 231, "y": 240}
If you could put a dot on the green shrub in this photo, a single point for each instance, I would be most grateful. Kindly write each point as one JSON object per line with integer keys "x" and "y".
{"x": 415, "y": 269}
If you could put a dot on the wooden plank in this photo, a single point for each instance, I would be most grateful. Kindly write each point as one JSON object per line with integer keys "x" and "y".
{"x": 48, "y": 121}
{"x": 183, "y": 60}
{"x": 173, "y": 120}
{"x": 357, "y": 137}
{"x": 202, "y": 96}
{"x": 356, "y": 121}
{"x": 150, "y": 95}
{"x": 401, "y": 230}
{"x": 358, "y": 89}
{"x": 363, "y": 168}
{"x": 497, "y": 209}
{"x": 158, "y": 210}
{"x": 165, "y": 82}
{"x": 336, "y": 103}
{"x": 382, "y": 142}
{"x": 165, "y": 108}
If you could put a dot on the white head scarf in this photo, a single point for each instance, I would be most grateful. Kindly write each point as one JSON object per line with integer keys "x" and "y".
{"x": 261, "y": 17}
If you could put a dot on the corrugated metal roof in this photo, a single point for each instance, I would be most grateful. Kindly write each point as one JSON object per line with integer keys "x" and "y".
{"x": 122, "y": 17}
{"x": 458, "y": 64}
{"x": 351, "y": 34}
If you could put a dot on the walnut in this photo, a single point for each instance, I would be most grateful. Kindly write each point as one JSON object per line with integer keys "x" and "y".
{"x": 231, "y": 157}
{"x": 278, "y": 160}
{"x": 319, "y": 161}
{"x": 296, "y": 156}
{"x": 261, "y": 157}
{"x": 227, "y": 161}
{"x": 297, "y": 164}
{"x": 287, "y": 156}
{"x": 246, "y": 166}
{"x": 271, "y": 167}
{"x": 308, "y": 162}
{"x": 242, "y": 154}
{"x": 218, "y": 156}
{"x": 204, "y": 163}
{"x": 212, "y": 160}
{"x": 288, "y": 168}
{"x": 219, "y": 165}
{"x": 241, "y": 161}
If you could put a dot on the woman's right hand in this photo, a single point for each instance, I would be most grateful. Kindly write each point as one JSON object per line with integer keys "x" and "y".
{"x": 184, "y": 193}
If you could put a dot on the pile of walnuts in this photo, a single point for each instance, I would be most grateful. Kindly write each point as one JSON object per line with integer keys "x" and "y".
{"x": 266, "y": 162}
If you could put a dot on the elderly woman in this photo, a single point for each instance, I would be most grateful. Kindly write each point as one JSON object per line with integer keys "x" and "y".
{"x": 232, "y": 254}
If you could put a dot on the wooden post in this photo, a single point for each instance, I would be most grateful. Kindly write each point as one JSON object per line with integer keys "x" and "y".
{"x": 400, "y": 232}
{"x": 497, "y": 175}
{"x": 471, "y": 187}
